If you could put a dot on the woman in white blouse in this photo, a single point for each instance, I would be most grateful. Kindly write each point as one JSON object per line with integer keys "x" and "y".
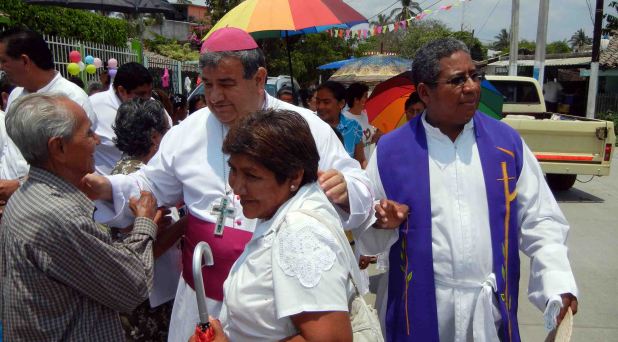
{"x": 292, "y": 281}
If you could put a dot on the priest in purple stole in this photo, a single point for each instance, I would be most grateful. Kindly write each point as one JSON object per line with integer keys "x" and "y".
{"x": 461, "y": 194}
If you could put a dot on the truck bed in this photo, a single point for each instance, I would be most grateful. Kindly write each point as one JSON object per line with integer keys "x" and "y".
{"x": 566, "y": 144}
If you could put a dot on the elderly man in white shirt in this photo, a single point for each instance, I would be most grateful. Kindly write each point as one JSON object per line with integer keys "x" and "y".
{"x": 461, "y": 194}
{"x": 28, "y": 62}
{"x": 191, "y": 166}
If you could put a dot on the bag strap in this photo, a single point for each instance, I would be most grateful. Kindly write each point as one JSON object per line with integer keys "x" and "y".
{"x": 354, "y": 270}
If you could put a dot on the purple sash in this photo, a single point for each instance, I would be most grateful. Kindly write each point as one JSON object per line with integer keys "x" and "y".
{"x": 411, "y": 313}
{"x": 225, "y": 250}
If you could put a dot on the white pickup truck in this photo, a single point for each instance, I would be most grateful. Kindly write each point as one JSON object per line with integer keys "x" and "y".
{"x": 565, "y": 145}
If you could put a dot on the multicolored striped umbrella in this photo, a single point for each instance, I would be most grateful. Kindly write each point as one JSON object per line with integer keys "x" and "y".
{"x": 385, "y": 107}
{"x": 281, "y": 18}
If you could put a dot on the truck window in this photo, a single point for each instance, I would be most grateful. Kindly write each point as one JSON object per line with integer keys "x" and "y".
{"x": 517, "y": 92}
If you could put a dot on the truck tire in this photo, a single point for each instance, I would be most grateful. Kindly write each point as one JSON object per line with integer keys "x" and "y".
{"x": 560, "y": 182}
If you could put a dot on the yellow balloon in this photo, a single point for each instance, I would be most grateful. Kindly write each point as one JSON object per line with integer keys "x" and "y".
{"x": 91, "y": 69}
{"x": 73, "y": 68}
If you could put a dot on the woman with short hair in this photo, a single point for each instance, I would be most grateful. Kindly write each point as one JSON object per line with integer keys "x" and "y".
{"x": 292, "y": 280}
{"x": 139, "y": 127}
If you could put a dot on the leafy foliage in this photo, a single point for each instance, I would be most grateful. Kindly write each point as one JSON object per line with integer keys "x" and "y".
{"x": 503, "y": 40}
{"x": 307, "y": 52}
{"x": 65, "y": 22}
{"x": 612, "y": 20}
{"x": 172, "y": 49}
{"x": 407, "y": 10}
{"x": 559, "y": 46}
{"x": 579, "y": 40}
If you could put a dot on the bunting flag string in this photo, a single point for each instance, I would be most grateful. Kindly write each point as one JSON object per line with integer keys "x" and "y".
{"x": 375, "y": 30}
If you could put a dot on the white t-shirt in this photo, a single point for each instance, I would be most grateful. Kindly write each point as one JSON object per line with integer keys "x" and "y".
{"x": 13, "y": 164}
{"x": 368, "y": 130}
{"x": 552, "y": 90}
{"x": 292, "y": 264}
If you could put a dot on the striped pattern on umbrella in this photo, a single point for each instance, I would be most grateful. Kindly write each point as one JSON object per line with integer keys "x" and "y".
{"x": 273, "y": 18}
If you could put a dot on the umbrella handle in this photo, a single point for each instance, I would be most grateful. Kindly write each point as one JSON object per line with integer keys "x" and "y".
{"x": 202, "y": 252}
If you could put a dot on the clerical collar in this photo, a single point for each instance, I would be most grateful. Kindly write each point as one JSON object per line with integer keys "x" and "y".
{"x": 437, "y": 133}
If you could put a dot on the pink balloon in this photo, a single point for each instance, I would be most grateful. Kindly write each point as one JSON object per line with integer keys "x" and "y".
{"x": 97, "y": 62}
{"x": 112, "y": 72}
{"x": 112, "y": 63}
{"x": 75, "y": 56}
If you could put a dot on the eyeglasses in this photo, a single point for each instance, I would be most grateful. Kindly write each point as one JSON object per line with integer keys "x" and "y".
{"x": 460, "y": 80}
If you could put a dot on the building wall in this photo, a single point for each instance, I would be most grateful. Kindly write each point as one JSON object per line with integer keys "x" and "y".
{"x": 170, "y": 29}
{"x": 196, "y": 13}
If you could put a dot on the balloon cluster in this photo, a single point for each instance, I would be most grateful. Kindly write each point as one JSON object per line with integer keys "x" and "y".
{"x": 91, "y": 64}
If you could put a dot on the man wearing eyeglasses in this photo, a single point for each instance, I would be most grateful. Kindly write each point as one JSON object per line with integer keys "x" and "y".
{"x": 460, "y": 194}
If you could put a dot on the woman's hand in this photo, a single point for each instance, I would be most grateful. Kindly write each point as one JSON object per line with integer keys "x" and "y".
{"x": 145, "y": 206}
{"x": 390, "y": 214}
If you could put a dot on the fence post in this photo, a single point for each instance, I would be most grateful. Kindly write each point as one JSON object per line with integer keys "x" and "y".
{"x": 179, "y": 83}
{"x": 136, "y": 46}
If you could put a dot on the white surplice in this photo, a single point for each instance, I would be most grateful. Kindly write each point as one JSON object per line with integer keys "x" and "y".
{"x": 292, "y": 264}
{"x": 190, "y": 166}
{"x": 461, "y": 238}
{"x": 14, "y": 165}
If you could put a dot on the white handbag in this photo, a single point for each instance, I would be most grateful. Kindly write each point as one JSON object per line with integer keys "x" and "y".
{"x": 363, "y": 317}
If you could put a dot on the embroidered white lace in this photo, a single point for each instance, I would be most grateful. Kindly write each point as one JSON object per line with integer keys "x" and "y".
{"x": 306, "y": 251}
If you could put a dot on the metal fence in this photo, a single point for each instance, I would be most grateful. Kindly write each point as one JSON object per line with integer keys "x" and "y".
{"x": 156, "y": 64}
{"x": 606, "y": 103}
{"x": 178, "y": 72}
{"x": 61, "y": 46}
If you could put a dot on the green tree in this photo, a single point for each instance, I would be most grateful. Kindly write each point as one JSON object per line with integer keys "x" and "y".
{"x": 612, "y": 20}
{"x": 421, "y": 33}
{"x": 407, "y": 10}
{"x": 503, "y": 40}
{"x": 527, "y": 47}
{"x": 560, "y": 46}
{"x": 66, "y": 22}
{"x": 579, "y": 40}
{"x": 218, "y": 8}
{"x": 308, "y": 52}
{"x": 478, "y": 51}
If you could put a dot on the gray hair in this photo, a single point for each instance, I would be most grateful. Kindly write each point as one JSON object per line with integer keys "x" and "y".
{"x": 33, "y": 119}
{"x": 251, "y": 60}
{"x": 426, "y": 64}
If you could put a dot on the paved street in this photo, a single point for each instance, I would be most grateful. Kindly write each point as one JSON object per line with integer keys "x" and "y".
{"x": 592, "y": 211}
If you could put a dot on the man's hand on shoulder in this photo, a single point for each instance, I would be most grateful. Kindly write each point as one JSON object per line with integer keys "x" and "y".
{"x": 335, "y": 187}
{"x": 390, "y": 214}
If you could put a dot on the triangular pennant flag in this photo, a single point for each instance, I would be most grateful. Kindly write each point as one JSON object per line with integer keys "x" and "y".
{"x": 396, "y": 26}
{"x": 391, "y": 27}
{"x": 347, "y": 33}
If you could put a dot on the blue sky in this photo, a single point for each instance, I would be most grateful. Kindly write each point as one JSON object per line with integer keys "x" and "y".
{"x": 488, "y": 17}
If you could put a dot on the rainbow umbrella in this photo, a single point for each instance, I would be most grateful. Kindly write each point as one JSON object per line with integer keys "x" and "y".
{"x": 283, "y": 18}
{"x": 491, "y": 100}
{"x": 385, "y": 107}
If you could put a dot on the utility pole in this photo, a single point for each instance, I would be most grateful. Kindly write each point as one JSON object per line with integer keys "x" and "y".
{"x": 463, "y": 15}
{"x": 593, "y": 82}
{"x": 541, "y": 38}
{"x": 514, "y": 35}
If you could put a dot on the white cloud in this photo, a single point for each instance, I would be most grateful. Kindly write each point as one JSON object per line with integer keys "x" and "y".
{"x": 565, "y": 16}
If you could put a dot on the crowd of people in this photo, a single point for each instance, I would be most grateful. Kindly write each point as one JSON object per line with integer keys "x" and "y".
{"x": 107, "y": 196}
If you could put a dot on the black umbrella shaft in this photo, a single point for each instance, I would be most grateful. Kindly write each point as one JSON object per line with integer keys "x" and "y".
{"x": 287, "y": 47}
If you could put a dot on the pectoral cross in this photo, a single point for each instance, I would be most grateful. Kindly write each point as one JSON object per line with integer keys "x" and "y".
{"x": 223, "y": 211}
